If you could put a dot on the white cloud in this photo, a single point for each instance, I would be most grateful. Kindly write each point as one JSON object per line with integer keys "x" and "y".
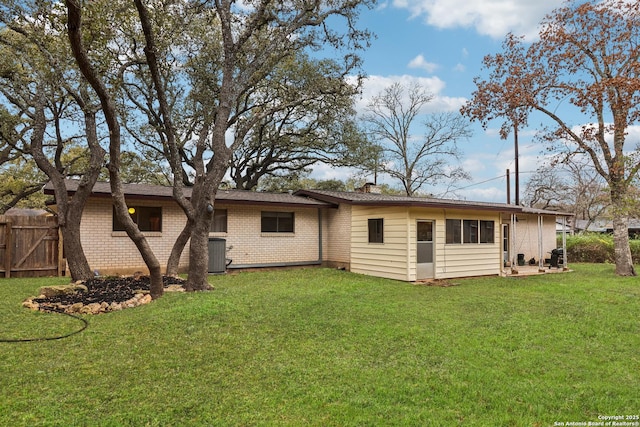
{"x": 322, "y": 171}
{"x": 484, "y": 194}
{"x": 474, "y": 165}
{"x": 420, "y": 62}
{"x": 494, "y": 18}
{"x": 374, "y": 85}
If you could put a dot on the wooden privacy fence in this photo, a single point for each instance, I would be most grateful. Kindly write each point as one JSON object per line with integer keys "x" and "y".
{"x": 29, "y": 246}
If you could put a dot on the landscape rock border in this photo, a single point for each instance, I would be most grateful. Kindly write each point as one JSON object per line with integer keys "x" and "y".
{"x": 99, "y": 295}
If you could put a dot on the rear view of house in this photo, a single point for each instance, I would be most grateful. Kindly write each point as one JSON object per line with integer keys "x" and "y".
{"x": 402, "y": 238}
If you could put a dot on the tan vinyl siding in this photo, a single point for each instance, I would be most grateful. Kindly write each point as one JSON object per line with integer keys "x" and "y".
{"x": 467, "y": 259}
{"x": 396, "y": 257}
{"x": 387, "y": 259}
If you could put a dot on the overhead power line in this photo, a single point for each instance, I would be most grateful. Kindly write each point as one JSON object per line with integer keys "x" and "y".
{"x": 491, "y": 179}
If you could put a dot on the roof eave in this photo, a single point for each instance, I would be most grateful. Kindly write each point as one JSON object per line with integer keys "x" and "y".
{"x": 219, "y": 198}
{"x": 406, "y": 203}
{"x": 437, "y": 205}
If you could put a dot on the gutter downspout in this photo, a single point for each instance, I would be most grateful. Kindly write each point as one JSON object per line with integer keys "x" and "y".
{"x": 320, "y": 255}
{"x": 540, "y": 245}
{"x": 564, "y": 244}
{"x": 514, "y": 257}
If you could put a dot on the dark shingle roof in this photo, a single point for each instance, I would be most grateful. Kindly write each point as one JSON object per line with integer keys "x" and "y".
{"x": 306, "y": 198}
{"x": 376, "y": 199}
{"x": 158, "y": 192}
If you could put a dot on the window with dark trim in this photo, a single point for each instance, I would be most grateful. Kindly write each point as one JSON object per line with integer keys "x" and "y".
{"x": 147, "y": 218}
{"x": 469, "y": 231}
{"x": 376, "y": 230}
{"x": 454, "y": 231}
{"x": 487, "y": 234}
{"x": 277, "y": 222}
{"x": 219, "y": 221}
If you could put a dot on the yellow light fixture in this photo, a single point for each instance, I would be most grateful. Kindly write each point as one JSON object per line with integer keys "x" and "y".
{"x": 132, "y": 211}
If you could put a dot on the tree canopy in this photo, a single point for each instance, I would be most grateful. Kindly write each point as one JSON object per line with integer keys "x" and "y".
{"x": 201, "y": 72}
{"x": 415, "y": 160}
{"x": 583, "y": 77}
{"x": 311, "y": 120}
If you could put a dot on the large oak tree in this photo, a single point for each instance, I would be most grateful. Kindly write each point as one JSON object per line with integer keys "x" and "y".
{"x": 413, "y": 151}
{"x": 49, "y": 100}
{"x": 94, "y": 72}
{"x": 311, "y": 120}
{"x": 583, "y": 76}
{"x": 226, "y": 53}
{"x": 230, "y": 81}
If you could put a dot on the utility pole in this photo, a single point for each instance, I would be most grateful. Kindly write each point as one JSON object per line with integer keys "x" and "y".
{"x": 515, "y": 141}
{"x": 508, "y": 187}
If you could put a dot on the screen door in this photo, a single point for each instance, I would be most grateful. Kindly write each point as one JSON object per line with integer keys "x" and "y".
{"x": 424, "y": 259}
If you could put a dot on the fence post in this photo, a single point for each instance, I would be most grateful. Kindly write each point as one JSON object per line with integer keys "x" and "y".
{"x": 8, "y": 253}
{"x": 61, "y": 259}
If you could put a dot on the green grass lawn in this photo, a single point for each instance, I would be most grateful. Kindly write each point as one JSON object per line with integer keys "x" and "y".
{"x": 329, "y": 348}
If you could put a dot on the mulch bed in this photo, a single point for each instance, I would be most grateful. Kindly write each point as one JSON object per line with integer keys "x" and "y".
{"x": 106, "y": 291}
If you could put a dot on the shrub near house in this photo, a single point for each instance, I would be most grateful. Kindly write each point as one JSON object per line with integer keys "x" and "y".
{"x": 597, "y": 247}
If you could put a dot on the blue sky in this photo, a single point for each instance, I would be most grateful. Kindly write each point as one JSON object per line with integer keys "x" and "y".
{"x": 441, "y": 43}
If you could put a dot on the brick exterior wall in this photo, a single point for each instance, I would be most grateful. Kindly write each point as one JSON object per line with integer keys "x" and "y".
{"x": 337, "y": 236}
{"x": 111, "y": 252}
{"x": 252, "y": 247}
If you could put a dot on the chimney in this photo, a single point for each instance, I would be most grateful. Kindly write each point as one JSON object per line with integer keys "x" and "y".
{"x": 370, "y": 187}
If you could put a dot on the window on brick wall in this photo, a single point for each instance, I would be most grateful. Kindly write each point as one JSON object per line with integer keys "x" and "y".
{"x": 147, "y": 218}
{"x": 219, "y": 222}
{"x": 277, "y": 222}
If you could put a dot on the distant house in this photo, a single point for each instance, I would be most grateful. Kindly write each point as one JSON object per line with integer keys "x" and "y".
{"x": 605, "y": 226}
{"x": 403, "y": 238}
{"x": 26, "y": 212}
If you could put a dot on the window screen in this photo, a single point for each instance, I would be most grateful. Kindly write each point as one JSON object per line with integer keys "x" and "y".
{"x": 470, "y": 231}
{"x": 454, "y": 231}
{"x": 376, "y": 230}
{"x": 277, "y": 222}
{"x": 487, "y": 232}
{"x": 147, "y": 218}
{"x": 219, "y": 221}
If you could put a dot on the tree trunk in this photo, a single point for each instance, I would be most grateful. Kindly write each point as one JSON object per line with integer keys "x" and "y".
{"x": 74, "y": 31}
{"x": 622, "y": 250}
{"x": 78, "y": 264}
{"x": 69, "y": 208}
{"x": 77, "y": 260}
{"x": 134, "y": 233}
{"x": 623, "y": 259}
{"x": 173, "y": 263}
{"x": 199, "y": 254}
